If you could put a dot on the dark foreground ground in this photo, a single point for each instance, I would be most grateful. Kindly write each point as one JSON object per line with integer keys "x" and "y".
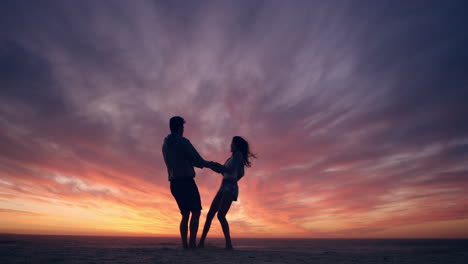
{"x": 18, "y": 249}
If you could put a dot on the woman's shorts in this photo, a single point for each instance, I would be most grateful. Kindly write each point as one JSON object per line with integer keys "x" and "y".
{"x": 229, "y": 187}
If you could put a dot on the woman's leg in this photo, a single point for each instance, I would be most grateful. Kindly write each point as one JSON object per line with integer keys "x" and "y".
{"x": 223, "y": 209}
{"x": 209, "y": 217}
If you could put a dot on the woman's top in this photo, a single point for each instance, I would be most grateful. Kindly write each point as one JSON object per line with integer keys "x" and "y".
{"x": 233, "y": 170}
{"x": 234, "y": 167}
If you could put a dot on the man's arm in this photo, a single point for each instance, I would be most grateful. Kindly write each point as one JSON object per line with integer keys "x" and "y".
{"x": 164, "y": 151}
{"x": 216, "y": 167}
{"x": 194, "y": 157}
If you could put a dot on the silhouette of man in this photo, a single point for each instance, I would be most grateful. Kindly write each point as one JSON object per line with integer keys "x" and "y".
{"x": 180, "y": 158}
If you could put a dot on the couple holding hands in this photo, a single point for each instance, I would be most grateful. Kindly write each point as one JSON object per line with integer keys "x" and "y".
{"x": 180, "y": 158}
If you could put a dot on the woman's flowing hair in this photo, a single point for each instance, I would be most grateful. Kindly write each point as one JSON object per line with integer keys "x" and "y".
{"x": 243, "y": 146}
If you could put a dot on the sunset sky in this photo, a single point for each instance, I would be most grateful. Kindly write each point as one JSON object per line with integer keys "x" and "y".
{"x": 357, "y": 111}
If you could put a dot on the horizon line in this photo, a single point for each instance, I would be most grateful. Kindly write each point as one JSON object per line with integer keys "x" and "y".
{"x": 220, "y": 237}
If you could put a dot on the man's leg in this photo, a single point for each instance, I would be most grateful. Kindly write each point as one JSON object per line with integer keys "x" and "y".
{"x": 195, "y": 208}
{"x": 184, "y": 228}
{"x": 194, "y": 228}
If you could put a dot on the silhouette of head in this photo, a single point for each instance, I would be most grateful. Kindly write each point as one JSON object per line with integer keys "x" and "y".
{"x": 240, "y": 144}
{"x": 176, "y": 124}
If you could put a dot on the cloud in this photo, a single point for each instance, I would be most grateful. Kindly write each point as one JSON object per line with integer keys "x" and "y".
{"x": 27, "y": 80}
{"x": 18, "y": 212}
{"x": 356, "y": 111}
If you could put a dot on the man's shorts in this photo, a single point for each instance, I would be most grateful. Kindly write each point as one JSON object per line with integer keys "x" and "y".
{"x": 186, "y": 194}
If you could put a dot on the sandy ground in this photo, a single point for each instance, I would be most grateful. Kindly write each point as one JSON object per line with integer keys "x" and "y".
{"x": 9, "y": 254}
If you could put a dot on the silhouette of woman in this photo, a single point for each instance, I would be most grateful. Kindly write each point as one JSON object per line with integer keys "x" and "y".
{"x": 232, "y": 171}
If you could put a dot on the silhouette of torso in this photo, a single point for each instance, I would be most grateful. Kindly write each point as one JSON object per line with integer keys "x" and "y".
{"x": 180, "y": 157}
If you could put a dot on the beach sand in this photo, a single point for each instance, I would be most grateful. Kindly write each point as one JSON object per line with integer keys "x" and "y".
{"x": 212, "y": 256}
{"x": 18, "y": 249}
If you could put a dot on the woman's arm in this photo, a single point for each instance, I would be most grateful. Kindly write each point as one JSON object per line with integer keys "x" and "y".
{"x": 236, "y": 162}
{"x": 215, "y": 166}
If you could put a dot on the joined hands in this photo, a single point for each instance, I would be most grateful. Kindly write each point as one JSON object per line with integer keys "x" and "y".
{"x": 215, "y": 166}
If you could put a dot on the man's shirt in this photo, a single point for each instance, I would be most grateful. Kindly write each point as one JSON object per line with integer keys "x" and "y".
{"x": 180, "y": 157}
